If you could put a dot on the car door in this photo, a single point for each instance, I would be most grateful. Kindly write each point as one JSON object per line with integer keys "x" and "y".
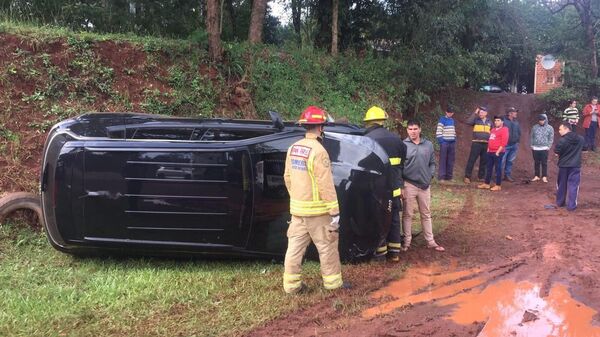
{"x": 169, "y": 192}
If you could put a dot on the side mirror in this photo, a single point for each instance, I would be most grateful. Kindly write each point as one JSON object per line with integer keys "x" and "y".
{"x": 276, "y": 120}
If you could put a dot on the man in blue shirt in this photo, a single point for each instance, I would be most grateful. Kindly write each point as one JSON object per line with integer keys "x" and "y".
{"x": 514, "y": 136}
{"x": 446, "y": 137}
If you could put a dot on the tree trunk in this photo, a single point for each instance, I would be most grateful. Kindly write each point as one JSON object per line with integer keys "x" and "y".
{"x": 334, "y": 27}
{"x": 584, "y": 9}
{"x": 296, "y": 19}
{"x": 232, "y": 15}
{"x": 257, "y": 21}
{"x": 591, "y": 43}
{"x": 213, "y": 29}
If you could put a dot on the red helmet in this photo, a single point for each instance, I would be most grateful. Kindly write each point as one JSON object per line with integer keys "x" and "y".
{"x": 312, "y": 116}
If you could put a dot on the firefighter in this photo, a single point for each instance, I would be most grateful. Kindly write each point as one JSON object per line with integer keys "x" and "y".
{"x": 313, "y": 206}
{"x": 396, "y": 151}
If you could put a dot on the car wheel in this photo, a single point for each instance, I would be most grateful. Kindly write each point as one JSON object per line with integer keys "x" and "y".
{"x": 20, "y": 200}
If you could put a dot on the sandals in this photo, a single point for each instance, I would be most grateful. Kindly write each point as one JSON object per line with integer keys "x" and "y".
{"x": 437, "y": 248}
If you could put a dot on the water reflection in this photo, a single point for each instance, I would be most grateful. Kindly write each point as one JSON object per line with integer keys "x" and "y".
{"x": 507, "y": 307}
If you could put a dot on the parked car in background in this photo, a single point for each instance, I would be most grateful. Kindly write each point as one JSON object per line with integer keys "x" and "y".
{"x": 146, "y": 184}
{"x": 491, "y": 88}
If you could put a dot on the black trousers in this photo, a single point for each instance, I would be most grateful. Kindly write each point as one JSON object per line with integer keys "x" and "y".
{"x": 478, "y": 149}
{"x": 393, "y": 241}
{"x": 540, "y": 160}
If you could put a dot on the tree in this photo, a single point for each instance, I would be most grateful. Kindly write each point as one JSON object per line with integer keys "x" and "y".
{"x": 334, "y": 27}
{"x": 589, "y": 19}
{"x": 213, "y": 29}
{"x": 257, "y": 19}
{"x": 296, "y": 19}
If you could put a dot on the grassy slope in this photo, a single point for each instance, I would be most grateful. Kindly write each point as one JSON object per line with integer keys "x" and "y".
{"x": 50, "y": 74}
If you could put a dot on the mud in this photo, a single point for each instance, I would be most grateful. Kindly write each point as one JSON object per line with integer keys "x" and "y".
{"x": 511, "y": 266}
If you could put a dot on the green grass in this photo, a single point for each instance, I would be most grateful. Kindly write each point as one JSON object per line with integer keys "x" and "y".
{"x": 47, "y": 293}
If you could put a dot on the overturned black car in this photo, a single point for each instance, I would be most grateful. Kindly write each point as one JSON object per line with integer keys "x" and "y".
{"x": 148, "y": 184}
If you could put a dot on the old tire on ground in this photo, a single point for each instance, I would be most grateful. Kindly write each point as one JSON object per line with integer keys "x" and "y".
{"x": 21, "y": 200}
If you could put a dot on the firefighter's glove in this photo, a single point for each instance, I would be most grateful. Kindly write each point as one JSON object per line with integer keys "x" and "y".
{"x": 334, "y": 226}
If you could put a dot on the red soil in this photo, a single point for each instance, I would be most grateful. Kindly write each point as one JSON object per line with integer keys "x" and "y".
{"x": 504, "y": 251}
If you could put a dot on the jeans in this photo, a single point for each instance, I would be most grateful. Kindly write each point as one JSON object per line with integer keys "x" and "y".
{"x": 567, "y": 186}
{"x": 478, "y": 149}
{"x": 510, "y": 155}
{"x": 493, "y": 163}
{"x": 540, "y": 160}
{"x": 447, "y": 155}
{"x": 590, "y": 136}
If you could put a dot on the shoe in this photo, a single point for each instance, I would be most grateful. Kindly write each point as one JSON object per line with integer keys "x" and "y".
{"x": 404, "y": 248}
{"x": 393, "y": 257}
{"x": 467, "y": 180}
{"x": 484, "y": 186}
{"x": 536, "y": 178}
{"x": 544, "y": 179}
{"x": 509, "y": 178}
{"x": 302, "y": 289}
{"x": 344, "y": 286}
{"x": 442, "y": 182}
{"x": 496, "y": 188}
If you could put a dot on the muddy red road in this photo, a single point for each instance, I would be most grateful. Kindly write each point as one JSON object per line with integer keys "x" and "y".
{"x": 512, "y": 267}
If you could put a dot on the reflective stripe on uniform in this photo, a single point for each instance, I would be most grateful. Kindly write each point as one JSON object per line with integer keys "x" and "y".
{"x": 397, "y": 192}
{"x": 394, "y": 247}
{"x": 311, "y": 174}
{"x": 311, "y": 207}
{"x": 395, "y": 161}
{"x": 291, "y": 282}
{"x": 332, "y": 281}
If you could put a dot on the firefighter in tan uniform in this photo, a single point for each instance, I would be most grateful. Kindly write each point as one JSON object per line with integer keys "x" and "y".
{"x": 313, "y": 206}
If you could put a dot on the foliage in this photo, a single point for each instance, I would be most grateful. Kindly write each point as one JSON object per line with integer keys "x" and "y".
{"x": 557, "y": 100}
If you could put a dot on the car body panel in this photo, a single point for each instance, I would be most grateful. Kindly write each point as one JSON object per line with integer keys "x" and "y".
{"x": 146, "y": 184}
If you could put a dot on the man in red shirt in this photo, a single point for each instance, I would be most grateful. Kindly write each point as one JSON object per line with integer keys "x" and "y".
{"x": 591, "y": 122}
{"x": 495, "y": 151}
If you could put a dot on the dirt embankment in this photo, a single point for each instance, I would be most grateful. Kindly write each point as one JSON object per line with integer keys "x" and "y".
{"x": 45, "y": 80}
{"x": 512, "y": 267}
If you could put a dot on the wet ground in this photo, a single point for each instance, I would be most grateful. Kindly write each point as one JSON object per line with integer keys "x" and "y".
{"x": 511, "y": 268}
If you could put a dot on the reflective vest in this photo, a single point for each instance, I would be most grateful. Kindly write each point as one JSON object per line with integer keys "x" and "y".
{"x": 309, "y": 180}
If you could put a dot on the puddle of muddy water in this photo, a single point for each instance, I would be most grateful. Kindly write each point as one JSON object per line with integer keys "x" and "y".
{"x": 507, "y": 307}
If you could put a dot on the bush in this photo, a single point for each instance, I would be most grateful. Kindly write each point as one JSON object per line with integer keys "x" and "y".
{"x": 557, "y": 100}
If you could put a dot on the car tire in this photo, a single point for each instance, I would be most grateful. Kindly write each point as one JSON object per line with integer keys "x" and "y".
{"x": 21, "y": 200}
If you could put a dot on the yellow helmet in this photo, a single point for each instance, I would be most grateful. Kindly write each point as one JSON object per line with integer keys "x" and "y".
{"x": 375, "y": 113}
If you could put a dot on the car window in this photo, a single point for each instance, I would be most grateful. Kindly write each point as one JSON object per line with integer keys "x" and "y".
{"x": 231, "y": 135}
{"x": 163, "y": 133}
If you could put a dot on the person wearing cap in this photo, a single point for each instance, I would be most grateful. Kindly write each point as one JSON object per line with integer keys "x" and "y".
{"x": 481, "y": 133}
{"x": 510, "y": 154}
{"x": 396, "y": 150}
{"x": 542, "y": 136}
{"x": 313, "y": 206}
{"x": 446, "y": 137}
{"x": 591, "y": 122}
{"x": 496, "y": 145}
